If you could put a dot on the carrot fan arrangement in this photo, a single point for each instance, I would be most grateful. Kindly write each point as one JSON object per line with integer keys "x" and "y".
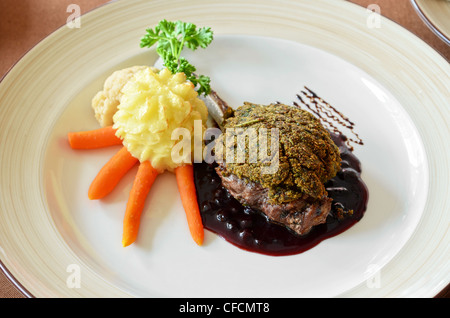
{"x": 114, "y": 170}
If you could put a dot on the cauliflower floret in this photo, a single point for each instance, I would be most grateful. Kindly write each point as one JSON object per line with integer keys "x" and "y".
{"x": 105, "y": 102}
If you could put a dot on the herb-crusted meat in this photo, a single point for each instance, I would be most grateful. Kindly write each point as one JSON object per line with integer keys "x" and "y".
{"x": 295, "y": 194}
{"x": 307, "y": 155}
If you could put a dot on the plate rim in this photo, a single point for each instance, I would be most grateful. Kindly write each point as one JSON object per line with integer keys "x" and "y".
{"x": 7, "y": 272}
{"x": 434, "y": 28}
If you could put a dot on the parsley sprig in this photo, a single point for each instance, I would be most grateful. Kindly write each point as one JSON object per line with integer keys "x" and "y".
{"x": 170, "y": 39}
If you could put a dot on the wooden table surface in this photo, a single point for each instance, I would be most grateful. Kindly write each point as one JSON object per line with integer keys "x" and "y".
{"x": 23, "y": 23}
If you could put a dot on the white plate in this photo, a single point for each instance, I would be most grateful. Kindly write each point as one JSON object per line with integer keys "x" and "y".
{"x": 390, "y": 83}
{"x": 436, "y": 14}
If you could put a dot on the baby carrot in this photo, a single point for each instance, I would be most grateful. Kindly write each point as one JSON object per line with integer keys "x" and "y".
{"x": 111, "y": 173}
{"x": 143, "y": 181}
{"x": 91, "y": 139}
{"x": 186, "y": 187}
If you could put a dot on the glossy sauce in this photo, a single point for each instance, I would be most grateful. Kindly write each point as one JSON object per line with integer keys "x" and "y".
{"x": 250, "y": 230}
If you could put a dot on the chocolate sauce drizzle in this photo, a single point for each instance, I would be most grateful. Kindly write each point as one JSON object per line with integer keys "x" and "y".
{"x": 329, "y": 116}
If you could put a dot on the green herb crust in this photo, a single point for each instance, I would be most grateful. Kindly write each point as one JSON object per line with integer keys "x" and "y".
{"x": 307, "y": 155}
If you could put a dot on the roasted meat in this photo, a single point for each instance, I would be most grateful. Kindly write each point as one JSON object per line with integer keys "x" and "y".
{"x": 299, "y": 215}
{"x": 294, "y": 195}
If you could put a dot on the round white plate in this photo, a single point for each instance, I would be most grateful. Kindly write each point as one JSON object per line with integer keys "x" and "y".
{"x": 436, "y": 14}
{"x": 57, "y": 243}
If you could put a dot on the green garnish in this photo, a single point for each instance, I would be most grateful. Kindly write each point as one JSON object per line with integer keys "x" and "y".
{"x": 171, "y": 38}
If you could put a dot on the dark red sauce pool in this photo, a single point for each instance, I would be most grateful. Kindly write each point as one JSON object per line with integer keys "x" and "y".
{"x": 250, "y": 230}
